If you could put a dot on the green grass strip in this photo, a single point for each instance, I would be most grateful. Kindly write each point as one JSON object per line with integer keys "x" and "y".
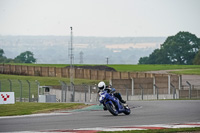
{"x": 188, "y": 72}
{"x": 143, "y": 68}
{"x": 24, "y": 108}
{"x": 47, "y": 80}
{"x": 122, "y": 67}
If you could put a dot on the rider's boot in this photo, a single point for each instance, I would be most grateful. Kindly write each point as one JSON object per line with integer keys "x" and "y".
{"x": 126, "y": 105}
{"x": 104, "y": 108}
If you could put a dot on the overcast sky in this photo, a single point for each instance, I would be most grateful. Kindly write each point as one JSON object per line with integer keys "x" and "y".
{"x": 107, "y": 18}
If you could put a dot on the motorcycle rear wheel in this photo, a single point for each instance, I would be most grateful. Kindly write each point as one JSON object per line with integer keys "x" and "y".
{"x": 112, "y": 109}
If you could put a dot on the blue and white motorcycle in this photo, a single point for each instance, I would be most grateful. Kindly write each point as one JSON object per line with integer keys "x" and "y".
{"x": 112, "y": 103}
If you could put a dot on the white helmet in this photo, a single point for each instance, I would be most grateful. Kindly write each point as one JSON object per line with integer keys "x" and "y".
{"x": 101, "y": 85}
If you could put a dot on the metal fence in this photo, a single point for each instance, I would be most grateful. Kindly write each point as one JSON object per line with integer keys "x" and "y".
{"x": 25, "y": 91}
{"x": 189, "y": 91}
{"x": 29, "y": 91}
{"x": 185, "y": 92}
{"x": 76, "y": 93}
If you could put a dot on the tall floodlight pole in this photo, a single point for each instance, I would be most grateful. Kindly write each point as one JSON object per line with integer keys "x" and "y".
{"x": 81, "y": 57}
{"x": 71, "y": 57}
{"x": 71, "y": 61}
{"x": 107, "y": 60}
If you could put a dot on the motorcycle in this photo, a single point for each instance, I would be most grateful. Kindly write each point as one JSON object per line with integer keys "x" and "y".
{"x": 112, "y": 103}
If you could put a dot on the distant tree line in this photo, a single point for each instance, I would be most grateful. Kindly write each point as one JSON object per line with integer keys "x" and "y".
{"x": 25, "y": 57}
{"x": 183, "y": 49}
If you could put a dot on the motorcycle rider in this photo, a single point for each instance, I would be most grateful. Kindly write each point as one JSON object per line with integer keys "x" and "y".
{"x": 102, "y": 86}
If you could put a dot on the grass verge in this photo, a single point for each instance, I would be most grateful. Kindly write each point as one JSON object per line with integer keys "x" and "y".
{"x": 122, "y": 67}
{"x": 143, "y": 68}
{"x": 188, "y": 72}
{"x": 47, "y": 80}
{"x": 44, "y": 81}
{"x": 176, "y": 130}
{"x": 24, "y": 108}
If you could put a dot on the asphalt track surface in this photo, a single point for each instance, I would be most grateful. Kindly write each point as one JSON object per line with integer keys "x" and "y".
{"x": 143, "y": 113}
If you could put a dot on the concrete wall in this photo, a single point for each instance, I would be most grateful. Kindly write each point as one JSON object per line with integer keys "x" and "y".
{"x": 145, "y": 85}
{"x": 162, "y": 84}
{"x": 77, "y": 73}
{"x": 186, "y": 93}
{"x": 93, "y": 74}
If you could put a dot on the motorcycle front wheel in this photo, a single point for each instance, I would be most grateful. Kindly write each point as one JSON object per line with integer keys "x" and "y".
{"x": 127, "y": 111}
{"x": 112, "y": 109}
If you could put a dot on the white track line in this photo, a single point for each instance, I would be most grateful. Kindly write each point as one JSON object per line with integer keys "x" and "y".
{"x": 144, "y": 127}
{"x": 34, "y": 115}
{"x": 123, "y": 128}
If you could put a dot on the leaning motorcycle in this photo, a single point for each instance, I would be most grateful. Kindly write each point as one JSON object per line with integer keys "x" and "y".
{"x": 112, "y": 103}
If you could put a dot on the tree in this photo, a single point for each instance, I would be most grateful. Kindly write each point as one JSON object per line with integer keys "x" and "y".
{"x": 25, "y": 57}
{"x": 178, "y": 49}
{"x": 143, "y": 60}
{"x": 1, "y": 52}
{"x": 181, "y": 48}
{"x": 2, "y": 58}
{"x": 196, "y": 60}
{"x": 158, "y": 57}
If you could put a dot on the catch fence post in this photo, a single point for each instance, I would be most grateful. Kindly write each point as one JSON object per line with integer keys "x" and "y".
{"x": 126, "y": 92}
{"x": 132, "y": 86}
{"x": 20, "y": 83}
{"x": 65, "y": 86}
{"x": 169, "y": 82}
{"x": 29, "y": 90}
{"x": 157, "y": 91}
{"x": 89, "y": 93}
{"x": 64, "y": 91}
{"x": 174, "y": 90}
{"x": 142, "y": 91}
{"x": 10, "y": 85}
{"x": 190, "y": 88}
{"x": 73, "y": 89}
{"x": 38, "y": 84}
{"x": 61, "y": 90}
{"x": 85, "y": 89}
{"x": 154, "y": 82}
{"x": 0, "y": 86}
